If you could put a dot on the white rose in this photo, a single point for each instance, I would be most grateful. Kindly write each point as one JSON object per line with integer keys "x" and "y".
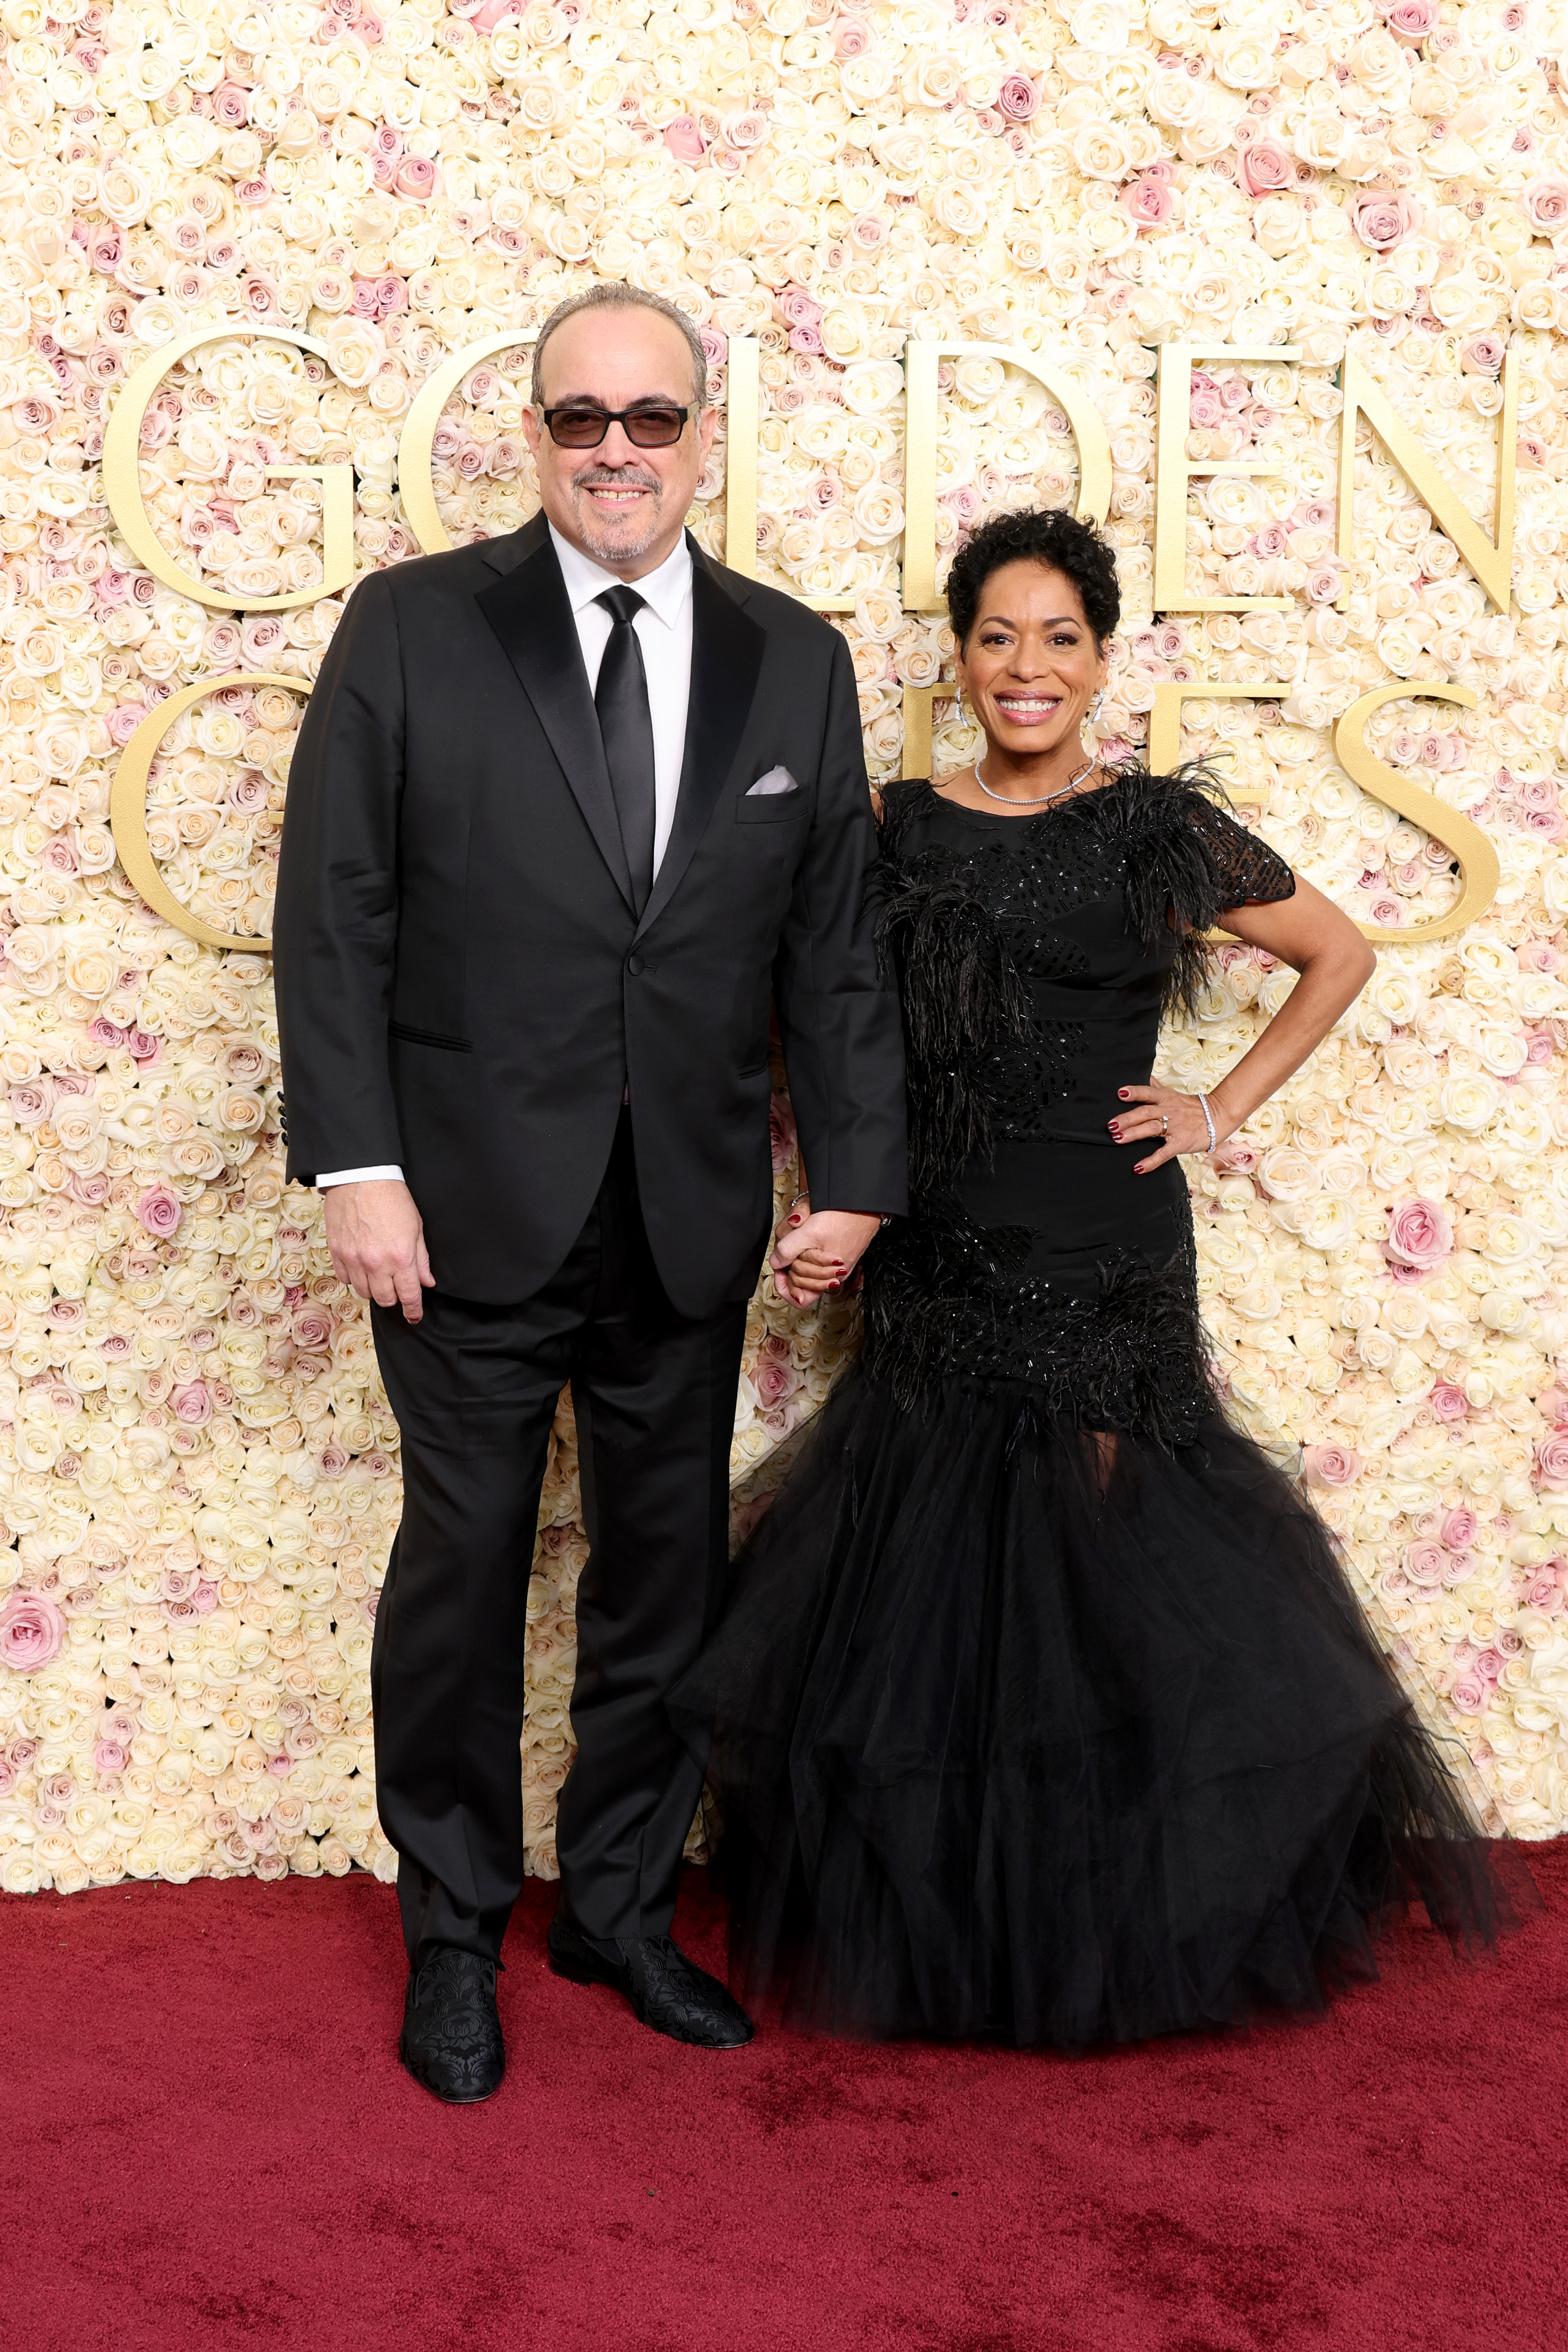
{"x": 355, "y": 350}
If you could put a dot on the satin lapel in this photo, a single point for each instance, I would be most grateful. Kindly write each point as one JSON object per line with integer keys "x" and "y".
{"x": 528, "y": 609}
{"x": 726, "y": 659}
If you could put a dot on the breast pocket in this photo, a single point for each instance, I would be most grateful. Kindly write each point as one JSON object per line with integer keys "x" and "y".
{"x": 772, "y": 808}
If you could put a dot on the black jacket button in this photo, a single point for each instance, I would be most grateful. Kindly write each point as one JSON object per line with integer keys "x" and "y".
{"x": 634, "y": 965}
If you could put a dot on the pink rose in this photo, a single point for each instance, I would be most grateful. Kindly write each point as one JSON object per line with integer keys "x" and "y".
{"x": 231, "y": 105}
{"x": 775, "y": 1382}
{"x": 1545, "y": 1594}
{"x": 1331, "y": 1465}
{"x": 851, "y": 38}
{"x": 1551, "y": 1459}
{"x": 31, "y": 1630}
{"x": 1448, "y": 1402}
{"x": 1424, "y": 1564}
{"x": 1018, "y": 99}
{"x": 1484, "y": 354}
{"x": 123, "y": 722}
{"x": 1265, "y": 167}
{"x": 30, "y": 1105}
{"x": 684, "y": 140}
{"x": 795, "y": 308}
{"x": 1419, "y": 1236}
{"x": 1469, "y": 1693}
{"x": 193, "y": 1405}
{"x": 1151, "y": 202}
{"x": 159, "y": 1213}
{"x": 110, "y": 1756}
{"x": 1382, "y": 218}
{"x": 312, "y": 1327}
{"x": 1545, "y": 204}
{"x": 416, "y": 178}
{"x": 1459, "y": 1529}
{"x": 1207, "y": 407}
{"x": 491, "y": 13}
{"x": 1412, "y": 20}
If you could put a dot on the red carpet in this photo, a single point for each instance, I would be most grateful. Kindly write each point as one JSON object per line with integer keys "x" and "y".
{"x": 209, "y": 2146}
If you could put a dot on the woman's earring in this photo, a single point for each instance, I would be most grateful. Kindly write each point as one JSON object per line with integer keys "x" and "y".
{"x": 1093, "y": 711}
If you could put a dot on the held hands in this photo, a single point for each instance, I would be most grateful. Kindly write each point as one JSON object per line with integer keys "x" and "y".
{"x": 377, "y": 1240}
{"x": 814, "y": 1254}
{"x": 1184, "y": 1129}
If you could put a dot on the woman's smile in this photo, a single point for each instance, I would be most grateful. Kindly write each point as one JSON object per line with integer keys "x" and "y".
{"x": 1028, "y": 707}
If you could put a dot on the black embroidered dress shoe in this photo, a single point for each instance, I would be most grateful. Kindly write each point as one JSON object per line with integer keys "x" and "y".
{"x": 667, "y": 1990}
{"x": 451, "y": 2040}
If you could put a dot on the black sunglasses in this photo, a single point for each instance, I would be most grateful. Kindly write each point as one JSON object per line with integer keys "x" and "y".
{"x": 653, "y": 425}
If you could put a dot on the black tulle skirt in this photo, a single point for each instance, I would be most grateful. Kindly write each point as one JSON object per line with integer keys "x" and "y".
{"x": 1022, "y": 1732}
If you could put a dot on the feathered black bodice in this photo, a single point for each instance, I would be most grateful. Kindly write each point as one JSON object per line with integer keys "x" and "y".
{"x": 1035, "y": 957}
{"x": 1010, "y": 937}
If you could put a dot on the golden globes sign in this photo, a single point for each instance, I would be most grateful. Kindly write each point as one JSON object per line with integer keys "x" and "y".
{"x": 1489, "y": 558}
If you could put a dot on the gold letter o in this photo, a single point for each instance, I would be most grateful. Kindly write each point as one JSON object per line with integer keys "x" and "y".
{"x": 417, "y": 441}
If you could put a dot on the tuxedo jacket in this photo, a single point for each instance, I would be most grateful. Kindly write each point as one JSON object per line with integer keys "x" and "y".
{"x": 463, "y": 985}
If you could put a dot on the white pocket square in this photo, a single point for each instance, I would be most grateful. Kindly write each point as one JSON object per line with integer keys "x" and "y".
{"x": 777, "y": 780}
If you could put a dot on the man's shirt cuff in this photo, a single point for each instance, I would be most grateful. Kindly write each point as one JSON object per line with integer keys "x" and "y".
{"x": 360, "y": 1176}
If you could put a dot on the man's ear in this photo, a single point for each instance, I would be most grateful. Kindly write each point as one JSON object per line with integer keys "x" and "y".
{"x": 707, "y": 425}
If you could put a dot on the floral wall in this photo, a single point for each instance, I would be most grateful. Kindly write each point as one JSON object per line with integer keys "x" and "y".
{"x": 198, "y": 1474}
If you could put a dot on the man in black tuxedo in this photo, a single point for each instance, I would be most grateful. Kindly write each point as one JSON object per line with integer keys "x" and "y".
{"x": 570, "y": 811}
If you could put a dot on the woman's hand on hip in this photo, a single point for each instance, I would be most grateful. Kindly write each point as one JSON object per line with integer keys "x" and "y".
{"x": 1173, "y": 1122}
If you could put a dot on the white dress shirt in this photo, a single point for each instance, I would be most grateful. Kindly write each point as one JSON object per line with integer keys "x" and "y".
{"x": 664, "y": 632}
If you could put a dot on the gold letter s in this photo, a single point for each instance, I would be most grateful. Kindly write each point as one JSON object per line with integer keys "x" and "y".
{"x": 1479, "y": 870}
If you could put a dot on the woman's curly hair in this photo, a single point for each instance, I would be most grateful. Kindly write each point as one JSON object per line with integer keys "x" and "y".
{"x": 1048, "y": 536}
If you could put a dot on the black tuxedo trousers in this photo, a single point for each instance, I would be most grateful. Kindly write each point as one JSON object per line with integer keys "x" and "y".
{"x": 475, "y": 1388}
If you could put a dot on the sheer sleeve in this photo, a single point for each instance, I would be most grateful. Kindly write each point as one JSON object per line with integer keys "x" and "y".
{"x": 1248, "y": 872}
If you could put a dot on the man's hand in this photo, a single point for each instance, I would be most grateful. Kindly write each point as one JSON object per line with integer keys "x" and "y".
{"x": 833, "y": 1240}
{"x": 377, "y": 1240}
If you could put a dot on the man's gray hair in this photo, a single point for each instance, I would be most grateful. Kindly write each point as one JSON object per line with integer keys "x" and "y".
{"x": 610, "y": 294}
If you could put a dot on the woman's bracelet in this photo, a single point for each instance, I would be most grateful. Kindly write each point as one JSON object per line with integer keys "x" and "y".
{"x": 797, "y": 1199}
{"x": 1208, "y": 1120}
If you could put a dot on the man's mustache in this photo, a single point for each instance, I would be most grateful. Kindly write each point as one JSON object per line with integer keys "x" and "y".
{"x": 616, "y": 478}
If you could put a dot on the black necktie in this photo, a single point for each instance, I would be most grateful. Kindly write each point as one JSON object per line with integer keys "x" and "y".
{"x": 621, "y": 700}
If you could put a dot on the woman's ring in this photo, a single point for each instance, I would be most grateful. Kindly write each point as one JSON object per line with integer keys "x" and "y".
{"x": 1164, "y": 1123}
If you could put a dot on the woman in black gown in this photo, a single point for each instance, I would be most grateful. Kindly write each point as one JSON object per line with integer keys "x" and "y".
{"x": 1043, "y": 1706}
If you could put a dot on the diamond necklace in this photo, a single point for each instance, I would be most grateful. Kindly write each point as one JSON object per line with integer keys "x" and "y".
{"x": 1012, "y": 800}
